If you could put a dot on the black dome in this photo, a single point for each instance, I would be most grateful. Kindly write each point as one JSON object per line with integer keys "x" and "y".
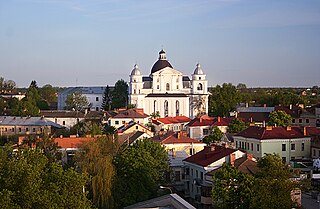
{"x": 160, "y": 64}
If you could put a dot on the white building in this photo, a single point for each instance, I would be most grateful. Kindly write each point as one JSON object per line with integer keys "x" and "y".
{"x": 168, "y": 91}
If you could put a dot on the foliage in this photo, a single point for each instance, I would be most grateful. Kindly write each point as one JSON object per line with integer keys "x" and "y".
{"x": 215, "y": 136}
{"x": 106, "y": 101}
{"x": 120, "y": 94}
{"x": 76, "y": 101}
{"x": 83, "y": 128}
{"x": 155, "y": 115}
{"x": 7, "y": 86}
{"x": 199, "y": 105}
{"x": 223, "y": 99}
{"x": 109, "y": 129}
{"x": 231, "y": 188}
{"x": 96, "y": 160}
{"x": 236, "y": 125}
{"x": 28, "y": 181}
{"x": 141, "y": 168}
{"x": 48, "y": 93}
{"x": 279, "y": 118}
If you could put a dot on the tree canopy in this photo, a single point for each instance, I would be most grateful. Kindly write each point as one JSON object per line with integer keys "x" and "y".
{"x": 279, "y": 118}
{"x": 236, "y": 125}
{"x": 120, "y": 94}
{"x": 76, "y": 101}
{"x": 215, "y": 136}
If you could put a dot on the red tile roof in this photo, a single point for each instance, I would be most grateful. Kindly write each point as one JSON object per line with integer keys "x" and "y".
{"x": 209, "y": 121}
{"x": 278, "y": 132}
{"x": 209, "y": 155}
{"x": 175, "y": 138}
{"x": 131, "y": 113}
{"x": 172, "y": 120}
{"x": 72, "y": 142}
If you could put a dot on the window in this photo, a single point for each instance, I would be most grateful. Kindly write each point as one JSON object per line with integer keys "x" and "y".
{"x": 34, "y": 130}
{"x": 292, "y": 158}
{"x": 302, "y": 146}
{"x": 97, "y": 108}
{"x": 192, "y": 151}
{"x": 97, "y": 99}
{"x": 300, "y": 120}
{"x": 27, "y": 129}
{"x": 199, "y": 87}
{"x": 63, "y": 122}
{"x": 12, "y": 129}
{"x": 252, "y": 146}
{"x": 236, "y": 144}
{"x": 293, "y": 147}
{"x": 19, "y": 129}
{"x": 177, "y": 108}
{"x": 6, "y": 129}
{"x": 166, "y": 108}
{"x": 123, "y": 122}
{"x": 154, "y": 106}
{"x": 137, "y": 127}
{"x": 158, "y": 87}
{"x": 205, "y": 132}
{"x": 284, "y": 159}
{"x": 116, "y": 122}
{"x": 201, "y": 175}
{"x": 293, "y": 120}
{"x": 283, "y": 147}
{"x": 258, "y": 147}
{"x": 307, "y": 120}
{"x": 242, "y": 145}
{"x": 191, "y": 173}
{"x": 168, "y": 87}
{"x": 177, "y": 176}
{"x": 199, "y": 78}
{"x": 134, "y": 91}
{"x": 177, "y": 86}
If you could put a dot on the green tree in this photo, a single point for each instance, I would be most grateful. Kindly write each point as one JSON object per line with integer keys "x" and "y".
{"x": 28, "y": 181}
{"x": 48, "y": 93}
{"x": 198, "y": 105}
{"x": 241, "y": 86}
{"x": 141, "y": 168}
{"x": 215, "y": 136}
{"x": 96, "y": 160}
{"x": 155, "y": 115}
{"x": 279, "y": 118}
{"x": 106, "y": 101}
{"x": 231, "y": 188}
{"x": 236, "y": 125}
{"x": 120, "y": 94}
{"x": 76, "y": 101}
{"x": 223, "y": 99}
{"x": 272, "y": 187}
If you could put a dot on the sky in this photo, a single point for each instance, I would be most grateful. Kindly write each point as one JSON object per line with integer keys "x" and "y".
{"x": 262, "y": 43}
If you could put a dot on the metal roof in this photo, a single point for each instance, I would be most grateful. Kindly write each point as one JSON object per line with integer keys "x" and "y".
{"x": 26, "y": 121}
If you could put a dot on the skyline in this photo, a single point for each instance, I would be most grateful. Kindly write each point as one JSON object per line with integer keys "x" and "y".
{"x": 97, "y": 42}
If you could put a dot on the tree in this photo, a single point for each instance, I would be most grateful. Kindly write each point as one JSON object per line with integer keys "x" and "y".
{"x": 76, "y": 101}
{"x": 29, "y": 181}
{"x": 155, "y": 115}
{"x": 141, "y": 168}
{"x": 215, "y": 136}
{"x": 241, "y": 86}
{"x": 120, "y": 94}
{"x": 223, "y": 99}
{"x": 199, "y": 105}
{"x": 48, "y": 93}
{"x": 272, "y": 187}
{"x": 279, "y": 118}
{"x": 96, "y": 160}
{"x": 7, "y": 86}
{"x": 231, "y": 188}
{"x": 236, "y": 125}
{"x": 106, "y": 101}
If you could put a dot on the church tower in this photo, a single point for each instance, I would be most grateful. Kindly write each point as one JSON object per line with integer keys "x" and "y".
{"x": 199, "y": 99}
{"x": 135, "y": 87}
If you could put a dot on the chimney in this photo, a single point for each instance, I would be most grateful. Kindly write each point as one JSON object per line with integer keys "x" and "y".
{"x": 174, "y": 153}
{"x": 219, "y": 119}
{"x": 288, "y": 128}
{"x": 290, "y": 107}
{"x": 304, "y": 131}
{"x": 249, "y": 156}
{"x": 212, "y": 148}
{"x": 264, "y": 105}
{"x": 179, "y": 135}
{"x": 269, "y": 128}
{"x": 232, "y": 158}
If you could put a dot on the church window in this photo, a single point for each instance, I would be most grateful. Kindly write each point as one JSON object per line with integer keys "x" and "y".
{"x": 134, "y": 91}
{"x": 139, "y": 91}
{"x": 167, "y": 86}
{"x": 134, "y": 80}
{"x": 166, "y": 108}
{"x": 158, "y": 87}
{"x": 154, "y": 105}
{"x": 158, "y": 80}
{"x": 199, "y": 78}
{"x": 177, "y": 79}
{"x": 177, "y": 86}
{"x": 199, "y": 86}
{"x": 177, "y": 108}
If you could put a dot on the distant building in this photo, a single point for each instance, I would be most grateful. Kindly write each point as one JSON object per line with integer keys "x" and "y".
{"x": 176, "y": 123}
{"x": 124, "y": 117}
{"x": 94, "y": 96}
{"x": 167, "y": 91}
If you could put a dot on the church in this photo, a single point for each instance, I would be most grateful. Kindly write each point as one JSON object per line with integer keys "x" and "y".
{"x": 168, "y": 91}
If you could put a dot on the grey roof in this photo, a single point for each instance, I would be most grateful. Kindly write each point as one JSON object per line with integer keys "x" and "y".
{"x": 185, "y": 78}
{"x": 255, "y": 109}
{"x": 146, "y": 78}
{"x": 85, "y": 90}
{"x": 27, "y": 121}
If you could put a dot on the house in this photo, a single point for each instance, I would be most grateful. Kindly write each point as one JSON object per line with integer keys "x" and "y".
{"x": 133, "y": 127}
{"x": 300, "y": 116}
{"x": 168, "y": 91}
{"x": 93, "y": 94}
{"x": 176, "y": 123}
{"x": 201, "y": 126}
{"x": 289, "y": 142}
{"x": 198, "y": 165}
{"x": 10, "y": 125}
{"x": 258, "y": 116}
{"x": 68, "y": 118}
{"x": 125, "y": 116}
{"x": 179, "y": 146}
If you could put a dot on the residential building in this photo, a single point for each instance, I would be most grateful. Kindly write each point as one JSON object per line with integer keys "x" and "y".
{"x": 10, "y": 125}
{"x": 201, "y": 163}
{"x": 259, "y": 116}
{"x": 167, "y": 91}
{"x": 176, "y": 123}
{"x": 125, "y": 116}
{"x": 133, "y": 127}
{"x": 93, "y": 94}
{"x": 289, "y": 142}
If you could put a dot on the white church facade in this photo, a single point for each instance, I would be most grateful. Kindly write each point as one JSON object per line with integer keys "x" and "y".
{"x": 167, "y": 91}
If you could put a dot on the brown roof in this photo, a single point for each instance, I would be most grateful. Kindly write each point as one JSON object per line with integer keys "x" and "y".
{"x": 246, "y": 165}
{"x": 131, "y": 113}
{"x": 209, "y": 155}
{"x": 72, "y": 142}
{"x": 278, "y": 132}
{"x": 175, "y": 138}
{"x": 73, "y": 114}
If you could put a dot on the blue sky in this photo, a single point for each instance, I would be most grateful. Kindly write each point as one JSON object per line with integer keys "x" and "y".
{"x": 267, "y": 43}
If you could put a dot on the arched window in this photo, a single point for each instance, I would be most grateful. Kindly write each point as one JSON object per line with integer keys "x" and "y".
{"x": 166, "y": 108}
{"x": 168, "y": 87}
{"x": 199, "y": 86}
{"x": 134, "y": 91}
{"x": 154, "y": 105}
{"x": 177, "y": 108}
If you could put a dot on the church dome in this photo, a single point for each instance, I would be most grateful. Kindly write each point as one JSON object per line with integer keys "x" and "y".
{"x": 198, "y": 70}
{"x": 161, "y": 63}
{"x": 136, "y": 70}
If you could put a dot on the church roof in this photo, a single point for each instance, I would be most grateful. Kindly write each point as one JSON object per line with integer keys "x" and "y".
{"x": 136, "y": 70}
{"x": 161, "y": 63}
